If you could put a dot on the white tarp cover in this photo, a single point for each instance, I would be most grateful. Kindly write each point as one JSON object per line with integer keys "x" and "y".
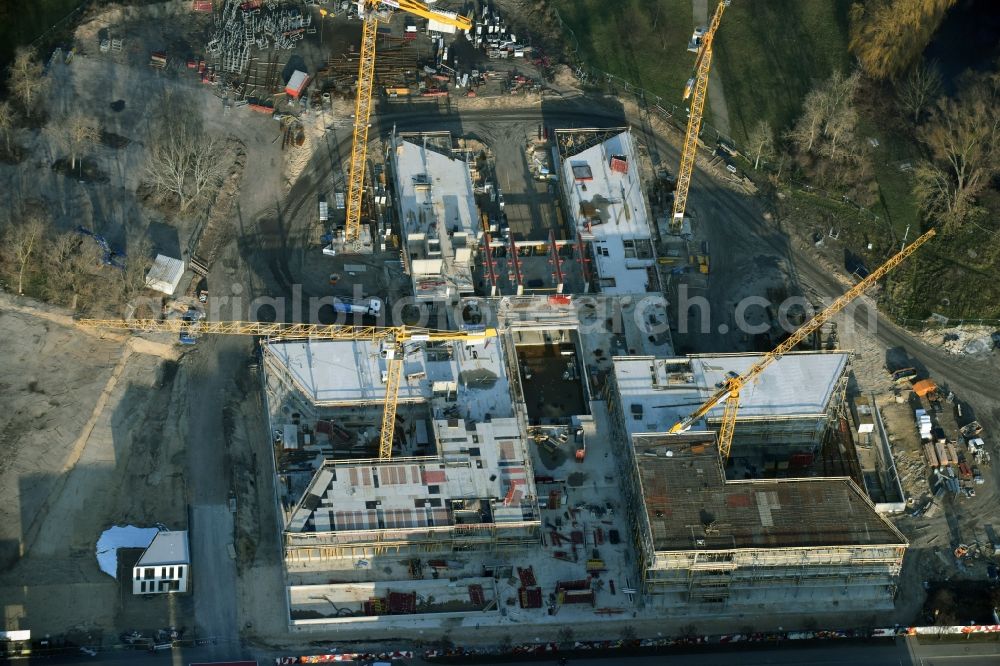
{"x": 165, "y": 274}
{"x": 113, "y": 538}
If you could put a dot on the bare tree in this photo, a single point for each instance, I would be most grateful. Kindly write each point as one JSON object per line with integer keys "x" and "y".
{"x": 809, "y": 125}
{"x": 839, "y": 134}
{"x": 27, "y": 82}
{"x": 207, "y": 169}
{"x": 169, "y": 164}
{"x": 761, "y": 142}
{"x": 83, "y": 132}
{"x": 932, "y": 189}
{"x": 838, "y": 93}
{"x": 23, "y": 240}
{"x": 73, "y": 134}
{"x": 6, "y": 122}
{"x": 829, "y": 119}
{"x": 961, "y": 136}
{"x": 183, "y": 159}
{"x": 75, "y": 265}
{"x": 921, "y": 84}
{"x": 131, "y": 280}
{"x": 689, "y": 631}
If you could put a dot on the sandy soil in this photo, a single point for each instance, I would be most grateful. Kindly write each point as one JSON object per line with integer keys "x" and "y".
{"x": 88, "y": 442}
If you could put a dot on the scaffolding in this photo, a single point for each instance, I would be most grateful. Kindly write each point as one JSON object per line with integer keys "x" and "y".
{"x": 304, "y": 548}
{"x": 715, "y": 569}
{"x": 715, "y": 576}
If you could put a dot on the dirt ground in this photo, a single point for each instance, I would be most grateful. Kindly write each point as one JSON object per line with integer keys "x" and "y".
{"x": 109, "y": 200}
{"x": 89, "y": 441}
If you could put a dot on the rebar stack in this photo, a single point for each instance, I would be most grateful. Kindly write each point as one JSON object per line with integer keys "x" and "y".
{"x": 263, "y": 24}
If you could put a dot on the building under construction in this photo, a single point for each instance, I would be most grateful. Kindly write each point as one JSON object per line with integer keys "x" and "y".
{"x": 606, "y": 205}
{"x": 708, "y": 544}
{"x": 437, "y": 213}
{"x": 460, "y": 478}
{"x": 783, "y": 417}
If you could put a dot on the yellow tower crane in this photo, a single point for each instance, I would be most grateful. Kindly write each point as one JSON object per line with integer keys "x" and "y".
{"x": 729, "y": 389}
{"x": 390, "y": 340}
{"x": 372, "y": 11}
{"x": 697, "y": 89}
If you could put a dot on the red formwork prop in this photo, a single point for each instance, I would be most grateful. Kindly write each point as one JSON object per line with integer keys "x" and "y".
{"x": 402, "y": 603}
{"x": 580, "y": 584}
{"x": 530, "y": 597}
{"x": 476, "y": 596}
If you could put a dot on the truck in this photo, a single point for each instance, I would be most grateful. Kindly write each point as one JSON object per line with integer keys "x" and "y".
{"x": 324, "y": 210}
{"x": 188, "y": 335}
{"x": 364, "y": 306}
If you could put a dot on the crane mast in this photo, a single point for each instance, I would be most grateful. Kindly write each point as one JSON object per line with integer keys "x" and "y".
{"x": 698, "y": 90}
{"x": 729, "y": 390}
{"x": 391, "y": 338}
{"x": 363, "y": 102}
{"x": 359, "y": 147}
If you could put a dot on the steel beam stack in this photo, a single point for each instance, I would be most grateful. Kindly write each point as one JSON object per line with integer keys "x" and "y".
{"x": 263, "y": 24}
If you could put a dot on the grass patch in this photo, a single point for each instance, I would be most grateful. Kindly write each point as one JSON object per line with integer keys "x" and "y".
{"x": 770, "y": 54}
{"x": 954, "y": 274}
{"x": 642, "y": 41}
{"x": 896, "y": 201}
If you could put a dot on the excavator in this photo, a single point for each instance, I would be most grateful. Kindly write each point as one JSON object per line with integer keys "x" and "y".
{"x": 390, "y": 340}
{"x": 728, "y": 391}
{"x": 373, "y": 11}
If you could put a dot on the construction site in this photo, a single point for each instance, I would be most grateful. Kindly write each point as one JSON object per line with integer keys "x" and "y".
{"x": 427, "y": 372}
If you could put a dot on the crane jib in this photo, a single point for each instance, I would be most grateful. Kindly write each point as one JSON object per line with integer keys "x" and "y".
{"x": 732, "y": 385}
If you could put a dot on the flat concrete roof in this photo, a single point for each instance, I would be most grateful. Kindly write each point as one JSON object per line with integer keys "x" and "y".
{"x": 602, "y": 183}
{"x": 440, "y": 220}
{"x": 482, "y": 473}
{"x": 662, "y": 391}
{"x": 690, "y": 505}
{"x": 342, "y": 372}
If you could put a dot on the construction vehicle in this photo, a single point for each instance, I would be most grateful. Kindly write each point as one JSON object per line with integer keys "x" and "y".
{"x": 904, "y": 375}
{"x": 390, "y": 340}
{"x": 728, "y": 393}
{"x": 372, "y": 11}
{"x": 365, "y": 306}
{"x": 697, "y": 90}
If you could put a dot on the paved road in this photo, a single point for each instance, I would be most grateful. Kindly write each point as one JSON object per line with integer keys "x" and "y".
{"x": 902, "y": 652}
{"x": 209, "y": 383}
{"x": 717, "y": 106}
